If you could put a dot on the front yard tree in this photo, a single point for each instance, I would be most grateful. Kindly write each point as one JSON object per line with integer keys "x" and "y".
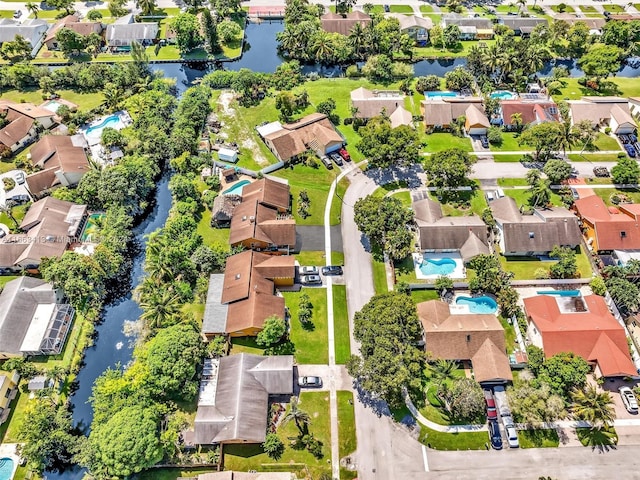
{"x": 272, "y": 331}
{"x": 147, "y": 6}
{"x": 66, "y": 5}
{"x": 557, "y": 171}
{"x": 385, "y": 146}
{"x": 16, "y": 50}
{"x": 564, "y": 372}
{"x": 601, "y": 60}
{"x": 594, "y": 406}
{"x": 384, "y": 221}
{"x": 534, "y": 403}
{"x": 567, "y": 266}
{"x": 187, "y": 31}
{"x": 625, "y": 171}
{"x": 544, "y": 137}
{"x": 388, "y": 328}
{"x": 273, "y": 446}
{"x": 466, "y": 399}
{"x": 449, "y": 169}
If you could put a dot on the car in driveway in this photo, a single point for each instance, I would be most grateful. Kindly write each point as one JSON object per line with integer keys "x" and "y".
{"x": 512, "y": 434}
{"x": 494, "y": 435}
{"x": 20, "y": 178}
{"x": 628, "y": 399}
{"x": 17, "y": 14}
{"x": 336, "y": 158}
{"x": 326, "y": 162}
{"x": 308, "y": 270}
{"x": 332, "y": 270}
{"x": 484, "y": 141}
{"x": 311, "y": 280}
{"x": 310, "y": 382}
{"x": 344, "y": 154}
{"x": 492, "y": 411}
{"x": 574, "y": 193}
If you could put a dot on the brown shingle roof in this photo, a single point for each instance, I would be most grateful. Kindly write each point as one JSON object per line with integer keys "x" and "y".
{"x": 342, "y": 24}
{"x": 401, "y": 116}
{"x": 596, "y": 110}
{"x": 479, "y": 338}
{"x": 252, "y": 220}
{"x": 237, "y": 275}
{"x": 46, "y": 147}
{"x": 268, "y": 192}
{"x": 373, "y": 103}
{"x": 476, "y": 118}
{"x": 295, "y": 138}
{"x": 16, "y": 130}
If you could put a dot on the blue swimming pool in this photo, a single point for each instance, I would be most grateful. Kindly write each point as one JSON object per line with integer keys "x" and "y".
{"x": 478, "y": 304}
{"x": 110, "y": 121}
{"x": 52, "y": 106}
{"x": 561, "y": 293}
{"x": 237, "y": 188}
{"x": 6, "y": 468}
{"x": 437, "y": 94}
{"x": 503, "y": 95}
{"x": 437, "y": 266}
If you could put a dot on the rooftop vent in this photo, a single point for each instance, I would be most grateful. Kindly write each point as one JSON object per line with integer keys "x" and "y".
{"x": 532, "y": 235}
{"x": 237, "y": 276}
{"x": 623, "y": 234}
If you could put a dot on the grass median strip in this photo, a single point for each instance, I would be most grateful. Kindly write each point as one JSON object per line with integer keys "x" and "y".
{"x": 341, "y": 324}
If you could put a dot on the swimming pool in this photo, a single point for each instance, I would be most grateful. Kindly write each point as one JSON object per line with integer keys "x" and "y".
{"x": 92, "y": 228}
{"x": 96, "y": 130}
{"x": 52, "y": 105}
{"x": 561, "y": 293}
{"x": 503, "y": 95}
{"x": 482, "y": 305}
{"x": 438, "y": 94}
{"x": 6, "y": 468}
{"x": 237, "y": 188}
{"x": 437, "y": 266}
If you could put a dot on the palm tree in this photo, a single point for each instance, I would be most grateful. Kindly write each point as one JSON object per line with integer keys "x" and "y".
{"x": 112, "y": 96}
{"x": 147, "y": 6}
{"x": 540, "y": 193}
{"x": 533, "y": 175}
{"x": 300, "y": 417}
{"x": 33, "y": 8}
{"x": 516, "y": 121}
{"x": 323, "y": 48}
{"x": 442, "y": 370}
{"x": 357, "y": 39}
{"x": 57, "y": 374}
{"x": 522, "y": 3}
{"x": 160, "y": 309}
{"x": 565, "y": 136}
{"x": 593, "y": 406}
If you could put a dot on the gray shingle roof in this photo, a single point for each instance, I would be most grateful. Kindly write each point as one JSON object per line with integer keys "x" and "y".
{"x": 215, "y": 312}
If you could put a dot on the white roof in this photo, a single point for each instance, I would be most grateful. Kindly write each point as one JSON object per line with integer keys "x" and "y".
{"x": 38, "y": 327}
{"x": 269, "y": 128}
{"x": 227, "y": 152}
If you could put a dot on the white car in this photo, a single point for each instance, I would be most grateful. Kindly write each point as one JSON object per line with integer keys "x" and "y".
{"x": 512, "y": 435}
{"x": 309, "y": 270}
{"x": 629, "y": 399}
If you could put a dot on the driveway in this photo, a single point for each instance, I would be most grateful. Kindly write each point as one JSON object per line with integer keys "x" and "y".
{"x": 310, "y": 238}
{"x": 17, "y": 190}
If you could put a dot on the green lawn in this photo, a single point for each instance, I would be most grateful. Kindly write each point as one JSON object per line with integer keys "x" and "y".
{"x": 341, "y": 324}
{"x": 509, "y": 144}
{"x": 4, "y": 279}
{"x": 426, "y": 8}
{"x": 567, "y": 9}
{"x": 9, "y": 429}
{"x": 424, "y": 295}
{"x": 405, "y": 271}
{"x": 6, "y": 13}
{"x": 437, "y": 142}
{"x": 401, "y": 9}
{"x": 210, "y": 235}
{"x": 246, "y": 345}
{"x": 437, "y": 52}
{"x": 251, "y": 457}
{"x": 346, "y": 424}
{"x": 85, "y": 101}
{"x": 587, "y": 9}
{"x": 316, "y": 182}
{"x": 404, "y": 197}
{"x": 509, "y": 334}
{"x": 521, "y": 197}
{"x": 596, "y": 437}
{"x": 48, "y": 15}
{"x": 605, "y": 142}
{"x": 336, "y": 203}
{"x": 538, "y": 438}
{"x": 507, "y": 158}
{"x": 311, "y": 257}
{"x": 512, "y": 182}
{"x": 524, "y": 268}
{"x": 606, "y": 193}
{"x": 379, "y": 277}
{"x": 383, "y": 190}
{"x": 629, "y": 87}
{"x": 453, "y": 441}
{"x": 593, "y": 157}
{"x": 614, "y": 8}
{"x": 311, "y": 343}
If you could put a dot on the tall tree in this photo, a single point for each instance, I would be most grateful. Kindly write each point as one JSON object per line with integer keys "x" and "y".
{"x": 33, "y": 8}
{"x": 592, "y": 405}
{"x": 449, "y": 169}
{"x": 187, "y": 31}
{"x": 298, "y": 416}
{"x": 626, "y": 171}
{"x": 601, "y": 60}
{"x": 147, "y": 6}
{"x": 385, "y": 146}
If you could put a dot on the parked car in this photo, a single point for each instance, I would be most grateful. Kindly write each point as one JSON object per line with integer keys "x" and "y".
{"x": 490, "y": 197}
{"x": 310, "y": 382}
{"x": 623, "y": 138}
{"x": 574, "y": 193}
{"x": 17, "y": 14}
{"x": 492, "y": 412}
{"x": 311, "y": 279}
{"x": 308, "y": 270}
{"x": 629, "y": 399}
{"x": 512, "y": 435}
{"x": 18, "y": 199}
{"x": 332, "y": 270}
{"x": 326, "y": 162}
{"x": 500, "y": 193}
{"x": 344, "y": 154}
{"x": 20, "y": 178}
{"x": 631, "y": 151}
{"x": 484, "y": 141}
{"x": 633, "y": 138}
{"x": 601, "y": 171}
{"x": 387, "y": 9}
{"x": 494, "y": 435}
{"x": 336, "y": 158}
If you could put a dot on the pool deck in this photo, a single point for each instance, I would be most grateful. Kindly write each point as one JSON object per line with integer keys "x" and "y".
{"x": 459, "y": 273}
{"x": 224, "y": 185}
{"x": 9, "y": 450}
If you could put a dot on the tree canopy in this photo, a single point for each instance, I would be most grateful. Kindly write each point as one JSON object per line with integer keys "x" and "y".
{"x": 385, "y": 146}
{"x": 626, "y": 171}
{"x": 557, "y": 170}
{"x": 449, "y": 169}
{"x": 601, "y": 60}
{"x": 187, "y": 30}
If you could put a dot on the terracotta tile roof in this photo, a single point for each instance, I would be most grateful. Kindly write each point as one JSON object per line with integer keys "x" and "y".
{"x": 269, "y": 192}
{"x": 479, "y": 338}
{"x": 342, "y": 24}
{"x": 595, "y": 335}
{"x": 530, "y": 110}
{"x": 614, "y": 230}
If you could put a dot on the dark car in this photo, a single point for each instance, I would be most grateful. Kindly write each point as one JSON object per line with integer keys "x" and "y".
{"x": 484, "y": 141}
{"x": 344, "y": 154}
{"x": 332, "y": 270}
{"x": 494, "y": 435}
{"x": 631, "y": 151}
{"x": 387, "y": 9}
{"x": 310, "y": 382}
{"x": 600, "y": 171}
{"x": 17, "y": 14}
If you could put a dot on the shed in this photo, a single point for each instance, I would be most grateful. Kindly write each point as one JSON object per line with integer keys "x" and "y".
{"x": 227, "y": 155}
{"x": 39, "y": 382}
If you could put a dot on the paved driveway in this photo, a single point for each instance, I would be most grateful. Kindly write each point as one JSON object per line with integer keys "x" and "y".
{"x": 17, "y": 190}
{"x": 311, "y": 238}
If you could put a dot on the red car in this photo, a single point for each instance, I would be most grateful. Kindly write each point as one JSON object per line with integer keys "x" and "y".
{"x": 492, "y": 412}
{"x": 344, "y": 154}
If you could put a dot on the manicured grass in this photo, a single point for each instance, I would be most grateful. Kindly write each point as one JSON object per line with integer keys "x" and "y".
{"x": 453, "y": 441}
{"x": 606, "y": 193}
{"x": 509, "y": 143}
{"x": 316, "y": 182}
{"x": 437, "y": 142}
{"x": 245, "y": 345}
{"x": 469, "y": 202}
{"x": 521, "y": 197}
{"x": 379, "y": 277}
{"x": 424, "y": 295}
{"x": 404, "y": 197}
{"x": 383, "y": 190}
{"x": 346, "y": 423}
{"x": 538, "y": 438}
{"x": 6, "y": 13}
{"x": 18, "y": 213}
{"x": 210, "y": 235}
{"x": 506, "y": 8}
{"x": 524, "y": 268}
{"x": 405, "y": 271}
{"x": 337, "y": 258}
{"x": 336, "y": 203}
{"x": 507, "y": 158}
{"x": 9, "y": 429}
{"x": 85, "y": 101}
{"x": 567, "y": 9}
{"x": 587, "y": 9}
{"x": 251, "y": 457}
{"x": 311, "y": 343}
{"x": 341, "y": 324}
{"x": 401, "y": 9}
{"x": 311, "y": 257}
{"x": 628, "y": 87}
{"x": 509, "y": 334}
{"x": 4, "y": 279}
{"x": 605, "y": 142}
{"x": 426, "y": 8}
{"x": 613, "y": 8}
{"x": 593, "y": 157}
{"x": 512, "y": 182}
{"x": 48, "y": 15}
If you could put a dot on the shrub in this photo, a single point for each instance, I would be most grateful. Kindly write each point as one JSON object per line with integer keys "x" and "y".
{"x": 353, "y": 72}
{"x": 94, "y": 15}
{"x": 541, "y": 274}
{"x": 428, "y": 83}
{"x": 598, "y": 286}
{"x": 494, "y": 135}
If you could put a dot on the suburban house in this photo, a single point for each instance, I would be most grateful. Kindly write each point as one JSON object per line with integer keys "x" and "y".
{"x": 373, "y": 103}
{"x": 471, "y": 28}
{"x": 416, "y": 27}
{"x": 521, "y": 26}
{"x": 534, "y": 110}
{"x": 72, "y": 22}
{"x": 123, "y": 32}
{"x": 61, "y": 160}
{"x": 594, "y": 24}
{"x": 535, "y": 234}
{"x": 313, "y": 132}
{"x": 401, "y": 116}
{"x": 8, "y": 390}
{"x": 33, "y": 319}
{"x": 343, "y": 23}
{"x": 439, "y": 112}
{"x": 609, "y": 228}
{"x": 233, "y": 404}
{"x": 437, "y": 233}
{"x": 50, "y": 226}
{"x": 260, "y": 221}
{"x": 478, "y": 338}
{"x": 231, "y": 475}
{"x": 582, "y": 325}
{"x": 476, "y": 122}
{"x": 32, "y": 30}
{"x": 610, "y": 112}
{"x": 241, "y": 299}
{"x": 25, "y": 120}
